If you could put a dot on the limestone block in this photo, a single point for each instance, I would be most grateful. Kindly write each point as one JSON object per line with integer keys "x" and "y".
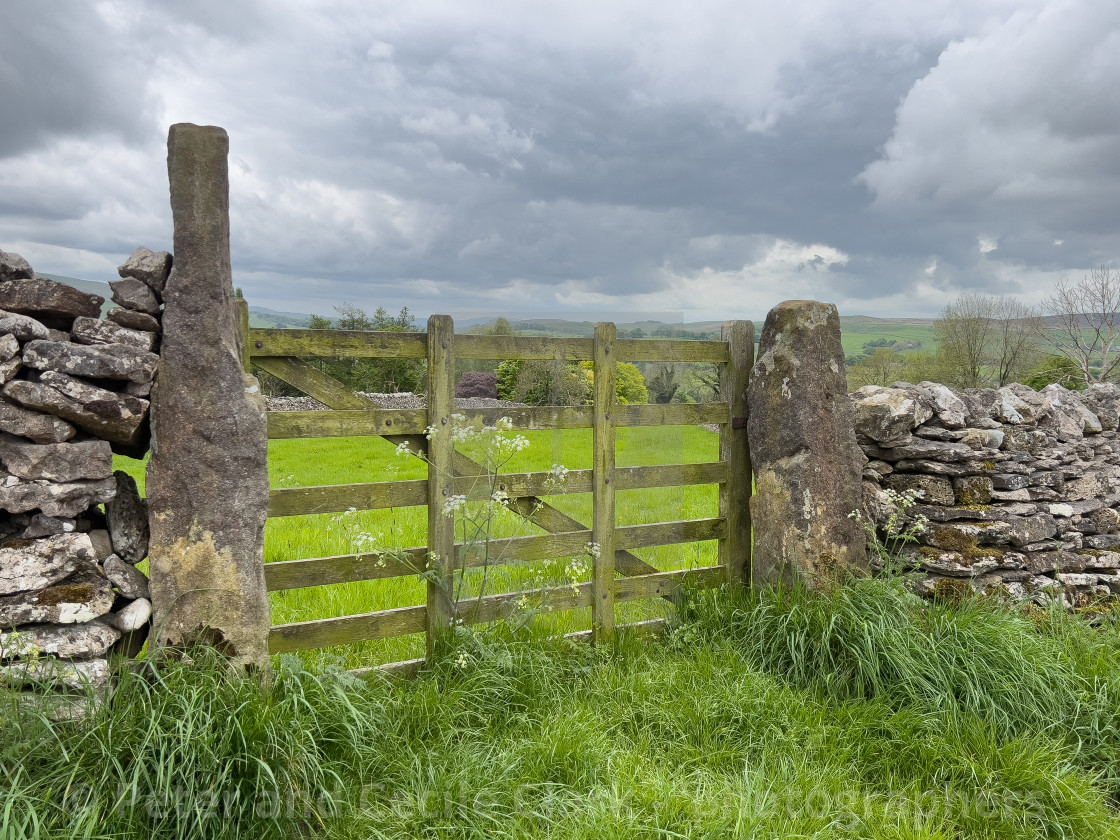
{"x": 150, "y": 268}
{"x": 79, "y": 674}
{"x": 1029, "y": 529}
{"x": 1068, "y": 403}
{"x": 133, "y": 320}
{"x": 127, "y": 516}
{"x": 98, "y": 361}
{"x": 102, "y": 544}
{"x": 1006, "y": 481}
{"x": 41, "y": 525}
{"x": 82, "y": 597}
{"x": 1013, "y": 409}
{"x": 887, "y": 415}
{"x": 33, "y": 425}
{"x": 951, "y": 409}
{"x": 965, "y": 536}
{"x": 943, "y": 468}
{"x": 1102, "y": 541}
{"x": 935, "y": 490}
{"x": 1013, "y": 496}
{"x": 1025, "y": 440}
{"x": 117, "y": 418}
{"x": 950, "y": 563}
{"x": 9, "y": 347}
{"x": 1103, "y": 399}
{"x": 921, "y": 449}
{"x": 63, "y": 499}
{"x": 129, "y": 581}
{"x": 133, "y": 617}
{"x": 135, "y": 295}
{"x": 27, "y": 565}
{"x": 1106, "y": 521}
{"x": 45, "y": 298}
{"x": 14, "y": 267}
{"x": 9, "y": 369}
{"x": 803, "y": 447}
{"x": 63, "y": 462}
{"x": 1086, "y": 487}
{"x": 93, "y": 638}
{"x": 972, "y": 490}
{"x": 22, "y": 327}
{"x": 96, "y": 331}
{"x": 983, "y": 438}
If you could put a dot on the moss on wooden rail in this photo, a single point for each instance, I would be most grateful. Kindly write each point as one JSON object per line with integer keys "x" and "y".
{"x": 399, "y": 421}
{"x": 264, "y": 343}
{"x": 339, "y": 498}
{"x": 351, "y": 568}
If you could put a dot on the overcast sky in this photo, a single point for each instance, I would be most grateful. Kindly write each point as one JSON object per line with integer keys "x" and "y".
{"x": 692, "y": 160}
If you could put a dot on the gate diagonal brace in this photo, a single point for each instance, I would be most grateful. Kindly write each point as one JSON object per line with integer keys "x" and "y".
{"x": 335, "y": 395}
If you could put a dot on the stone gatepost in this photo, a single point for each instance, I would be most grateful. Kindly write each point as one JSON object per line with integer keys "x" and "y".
{"x": 208, "y": 477}
{"x": 803, "y": 447}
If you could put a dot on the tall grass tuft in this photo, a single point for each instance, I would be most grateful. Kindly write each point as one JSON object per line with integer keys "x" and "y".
{"x": 186, "y": 750}
{"x": 1041, "y": 674}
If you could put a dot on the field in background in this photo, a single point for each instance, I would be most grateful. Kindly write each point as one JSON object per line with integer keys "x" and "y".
{"x": 857, "y": 330}
{"x": 323, "y": 461}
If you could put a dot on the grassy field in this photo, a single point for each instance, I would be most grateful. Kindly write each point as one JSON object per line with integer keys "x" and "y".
{"x": 305, "y": 463}
{"x": 857, "y": 330}
{"x": 859, "y": 713}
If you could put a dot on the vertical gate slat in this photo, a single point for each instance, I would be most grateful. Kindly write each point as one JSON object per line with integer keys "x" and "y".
{"x": 735, "y": 494}
{"x": 603, "y": 521}
{"x": 441, "y": 481}
{"x": 243, "y": 332}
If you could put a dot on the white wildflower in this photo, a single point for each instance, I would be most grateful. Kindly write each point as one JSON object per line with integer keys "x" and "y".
{"x": 453, "y": 504}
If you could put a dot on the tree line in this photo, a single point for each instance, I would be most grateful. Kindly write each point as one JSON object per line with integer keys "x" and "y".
{"x": 1073, "y": 339}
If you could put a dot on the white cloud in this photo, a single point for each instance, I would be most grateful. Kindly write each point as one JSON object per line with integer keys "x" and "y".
{"x": 1013, "y": 114}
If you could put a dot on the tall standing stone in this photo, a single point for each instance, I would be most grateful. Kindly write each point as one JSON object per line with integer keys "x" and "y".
{"x": 208, "y": 479}
{"x": 803, "y": 447}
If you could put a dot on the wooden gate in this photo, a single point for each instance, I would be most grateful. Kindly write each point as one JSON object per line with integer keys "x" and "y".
{"x": 618, "y": 575}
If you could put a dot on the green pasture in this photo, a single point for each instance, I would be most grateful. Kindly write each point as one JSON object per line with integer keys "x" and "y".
{"x": 854, "y": 335}
{"x": 329, "y": 461}
{"x": 862, "y": 713}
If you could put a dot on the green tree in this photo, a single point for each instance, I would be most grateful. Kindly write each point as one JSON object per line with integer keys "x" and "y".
{"x": 1059, "y": 369}
{"x": 371, "y": 375}
{"x": 541, "y": 382}
{"x": 882, "y": 367}
{"x": 630, "y": 385}
{"x": 985, "y": 340}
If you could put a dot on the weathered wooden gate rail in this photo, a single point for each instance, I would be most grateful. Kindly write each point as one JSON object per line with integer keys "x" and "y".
{"x": 280, "y": 353}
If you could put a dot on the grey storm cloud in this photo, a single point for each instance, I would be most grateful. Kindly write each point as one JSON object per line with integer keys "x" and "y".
{"x": 647, "y": 156}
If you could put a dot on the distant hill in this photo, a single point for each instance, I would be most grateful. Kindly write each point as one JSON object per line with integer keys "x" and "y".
{"x": 264, "y": 318}
{"x": 856, "y": 330}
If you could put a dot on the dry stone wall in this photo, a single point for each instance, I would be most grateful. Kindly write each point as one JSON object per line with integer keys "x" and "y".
{"x": 74, "y": 390}
{"x": 1021, "y": 487}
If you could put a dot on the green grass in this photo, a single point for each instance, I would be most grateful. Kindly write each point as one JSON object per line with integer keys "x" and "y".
{"x": 763, "y": 716}
{"x": 301, "y": 463}
{"x": 862, "y": 712}
{"x": 855, "y": 332}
